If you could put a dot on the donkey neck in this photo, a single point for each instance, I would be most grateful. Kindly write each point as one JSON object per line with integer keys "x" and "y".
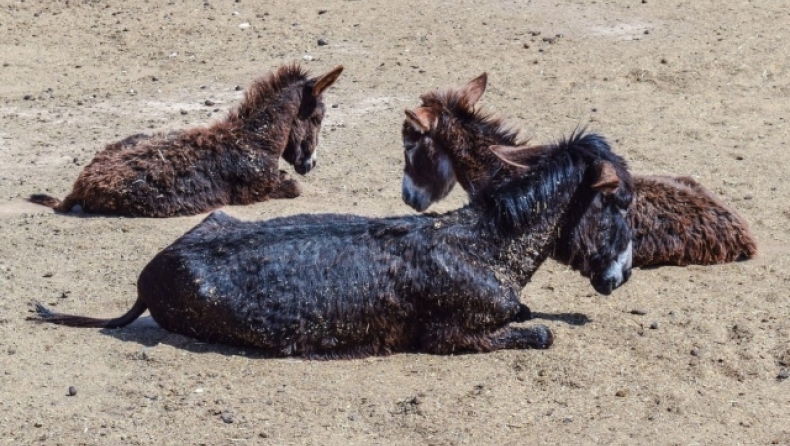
{"x": 470, "y": 138}
{"x": 525, "y": 215}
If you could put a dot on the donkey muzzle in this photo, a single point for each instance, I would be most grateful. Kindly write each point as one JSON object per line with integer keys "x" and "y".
{"x": 306, "y": 166}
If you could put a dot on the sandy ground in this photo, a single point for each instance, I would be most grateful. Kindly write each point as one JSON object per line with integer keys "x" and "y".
{"x": 685, "y": 87}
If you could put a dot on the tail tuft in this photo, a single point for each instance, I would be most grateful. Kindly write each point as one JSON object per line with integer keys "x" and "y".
{"x": 44, "y": 200}
{"x": 43, "y": 314}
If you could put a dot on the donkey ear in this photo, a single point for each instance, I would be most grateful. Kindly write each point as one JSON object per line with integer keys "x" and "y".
{"x": 511, "y": 155}
{"x": 474, "y": 89}
{"x": 423, "y": 119}
{"x": 325, "y": 81}
{"x": 608, "y": 181}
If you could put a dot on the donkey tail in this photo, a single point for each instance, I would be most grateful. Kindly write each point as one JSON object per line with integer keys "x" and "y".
{"x": 43, "y": 314}
{"x": 44, "y": 200}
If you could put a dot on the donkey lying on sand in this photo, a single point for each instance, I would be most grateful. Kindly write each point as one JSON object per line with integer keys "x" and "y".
{"x": 234, "y": 161}
{"x": 674, "y": 221}
{"x": 347, "y": 286}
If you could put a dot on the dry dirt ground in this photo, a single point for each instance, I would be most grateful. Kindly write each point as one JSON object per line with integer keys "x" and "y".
{"x": 686, "y": 87}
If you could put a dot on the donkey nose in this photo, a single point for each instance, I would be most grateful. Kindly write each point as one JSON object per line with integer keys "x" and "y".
{"x": 305, "y": 167}
{"x": 605, "y": 286}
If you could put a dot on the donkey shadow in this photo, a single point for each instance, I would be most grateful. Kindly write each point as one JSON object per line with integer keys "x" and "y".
{"x": 577, "y": 319}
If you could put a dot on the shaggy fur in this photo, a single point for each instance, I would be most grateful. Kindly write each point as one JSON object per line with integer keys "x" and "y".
{"x": 330, "y": 285}
{"x": 674, "y": 221}
{"x": 234, "y": 161}
{"x": 447, "y": 140}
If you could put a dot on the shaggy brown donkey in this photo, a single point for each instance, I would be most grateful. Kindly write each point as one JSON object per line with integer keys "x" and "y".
{"x": 675, "y": 221}
{"x": 234, "y": 161}
{"x": 348, "y": 286}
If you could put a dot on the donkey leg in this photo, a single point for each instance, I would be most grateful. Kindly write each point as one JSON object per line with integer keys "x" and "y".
{"x": 286, "y": 188}
{"x": 447, "y": 339}
{"x": 512, "y": 338}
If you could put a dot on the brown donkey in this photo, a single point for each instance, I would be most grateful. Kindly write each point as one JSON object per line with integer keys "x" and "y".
{"x": 234, "y": 161}
{"x": 674, "y": 221}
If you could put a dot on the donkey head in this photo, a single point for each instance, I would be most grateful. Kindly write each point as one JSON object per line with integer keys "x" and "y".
{"x": 595, "y": 238}
{"x": 429, "y": 172}
{"x": 303, "y": 139}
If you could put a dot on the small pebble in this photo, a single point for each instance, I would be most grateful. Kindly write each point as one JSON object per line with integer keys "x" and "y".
{"x": 27, "y": 97}
{"x": 322, "y": 42}
{"x": 322, "y": 11}
{"x": 307, "y": 57}
{"x": 72, "y": 390}
{"x": 664, "y": 61}
{"x": 183, "y": 112}
{"x": 209, "y": 102}
{"x": 694, "y": 352}
{"x": 227, "y": 417}
{"x": 783, "y": 375}
{"x": 654, "y": 326}
{"x": 622, "y": 393}
{"x": 335, "y": 105}
{"x": 638, "y": 312}
{"x": 238, "y": 88}
{"x": 244, "y": 25}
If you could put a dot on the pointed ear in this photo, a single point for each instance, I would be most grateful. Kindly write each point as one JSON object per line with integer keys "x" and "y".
{"x": 511, "y": 155}
{"x": 325, "y": 81}
{"x": 423, "y": 119}
{"x": 608, "y": 181}
{"x": 474, "y": 89}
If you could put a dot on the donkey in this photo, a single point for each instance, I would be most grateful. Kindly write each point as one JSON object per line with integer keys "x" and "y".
{"x": 345, "y": 286}
{"x": 446, "y": 141}
{"x": 673, "y": 221}
{"x": 233, "y": 161}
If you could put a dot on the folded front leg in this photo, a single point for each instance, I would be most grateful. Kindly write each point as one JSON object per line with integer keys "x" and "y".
{"x": 512, "y": 338}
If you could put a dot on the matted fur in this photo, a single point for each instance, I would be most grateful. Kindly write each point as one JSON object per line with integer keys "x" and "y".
{"x": 233, "y": 161}
{"x": 676, "y": 221}
{"x": 330, "y": 285}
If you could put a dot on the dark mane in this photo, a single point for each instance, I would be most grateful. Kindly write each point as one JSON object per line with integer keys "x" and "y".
{"x": 265, "y": 88}
{"x": 516, "y": 205}
{"x": 487, "y": 124}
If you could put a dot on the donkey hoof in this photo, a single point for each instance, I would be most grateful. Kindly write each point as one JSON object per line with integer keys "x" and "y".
{"x": 524, "y": 314}
{"x": 541, "y": 337}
